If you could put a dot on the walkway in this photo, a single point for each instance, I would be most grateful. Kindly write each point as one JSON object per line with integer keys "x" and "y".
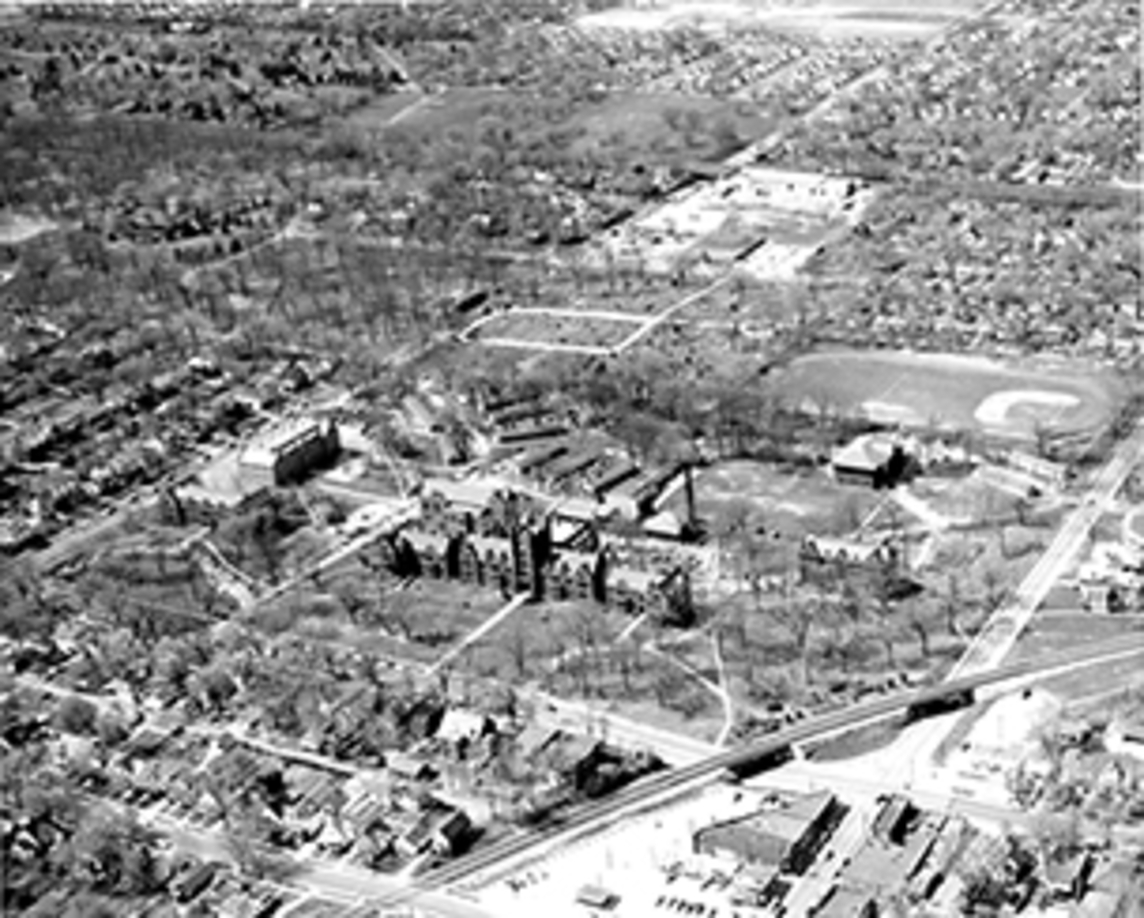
{"x": 481, "y": 630}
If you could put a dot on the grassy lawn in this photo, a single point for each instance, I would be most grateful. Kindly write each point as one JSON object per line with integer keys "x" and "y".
{"x": 459, "y": 107}
{"x": 570, "y": 650}
{"x": 856, "y": 742}
{"x": 418, "y": 623}
{"x": 546, "y": 329}
{"x": 793, "y": 503}
{"x": 381, "y": 110}
{"x": 640, "y": 123}
{"x": 1048, "y": 634}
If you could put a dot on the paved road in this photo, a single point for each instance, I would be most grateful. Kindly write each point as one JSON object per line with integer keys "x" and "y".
{"x": 509, "y": 855}
{"x": 582, "y": 717}
{"x": 335, "y": 881}
{"x": 1000, "y": 634}
{"x": 997, "y": 638}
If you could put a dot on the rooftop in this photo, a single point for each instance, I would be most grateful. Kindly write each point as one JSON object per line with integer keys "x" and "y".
{"x": 265, "y": 449}
{"x": 866, "y": 453}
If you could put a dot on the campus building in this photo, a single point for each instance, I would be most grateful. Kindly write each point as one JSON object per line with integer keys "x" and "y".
{"x": 288, "y": 453}
{"x": 872, "y": 460}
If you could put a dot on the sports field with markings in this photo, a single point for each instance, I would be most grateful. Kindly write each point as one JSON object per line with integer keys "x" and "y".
{"x": 951, "y": 391}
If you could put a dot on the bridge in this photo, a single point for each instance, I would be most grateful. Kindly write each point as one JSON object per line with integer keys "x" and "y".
{"x": 760, "y": 754}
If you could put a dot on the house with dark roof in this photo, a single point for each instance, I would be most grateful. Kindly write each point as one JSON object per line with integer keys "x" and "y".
{"x": 442, "y": 831}
{"x": 408, "y": 767}
{"x": 871, "y": 460}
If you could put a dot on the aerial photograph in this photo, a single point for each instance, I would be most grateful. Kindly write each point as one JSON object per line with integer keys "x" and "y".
{"x": 571, "y": 459}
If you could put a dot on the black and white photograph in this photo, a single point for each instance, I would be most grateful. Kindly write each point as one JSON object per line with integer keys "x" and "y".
{"x": 571, "y": 459}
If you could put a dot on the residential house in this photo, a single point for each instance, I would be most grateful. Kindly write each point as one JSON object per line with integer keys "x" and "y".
{"x": 575, "y": 759}
{"x": 443, "y": 831}
{"x": 1125, "y": 736}
{"x": 1068, "y": 878}
{"x": 408, "y": 767}
{"x": 534, "y": 739}
{"x": 462, "y": 729}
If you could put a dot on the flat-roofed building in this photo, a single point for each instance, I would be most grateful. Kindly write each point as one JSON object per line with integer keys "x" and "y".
{"x": 788, "y": 837}
{"x": 285, "y": 454}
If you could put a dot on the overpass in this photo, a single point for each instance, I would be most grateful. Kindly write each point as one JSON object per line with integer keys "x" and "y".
{"x": 760, "y": 754}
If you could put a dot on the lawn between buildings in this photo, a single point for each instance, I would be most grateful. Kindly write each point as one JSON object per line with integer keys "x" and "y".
{"x": 793, "y": 502}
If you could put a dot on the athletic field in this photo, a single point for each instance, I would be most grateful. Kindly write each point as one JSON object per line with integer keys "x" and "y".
{"x": 950, "y": 391}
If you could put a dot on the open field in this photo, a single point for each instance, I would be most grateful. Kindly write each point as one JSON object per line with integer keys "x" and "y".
{"x": 951, "y": 391}
{"x": 642, "y": 120}
{"x": 793, "y": 504}
{"x": 1048, "y": 634}
{"x": 542, "y": 328}
{"x": 459, "y": 107}
{"x": 383, "y": 110}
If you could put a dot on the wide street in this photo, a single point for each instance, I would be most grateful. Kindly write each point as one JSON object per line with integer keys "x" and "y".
{"x": 913, "y": 751}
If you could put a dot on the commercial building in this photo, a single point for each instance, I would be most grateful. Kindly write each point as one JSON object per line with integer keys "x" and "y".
{"x": 788, "y": 837}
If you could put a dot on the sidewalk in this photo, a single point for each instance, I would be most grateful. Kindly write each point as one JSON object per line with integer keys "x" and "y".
{"x": 481, "y": 630}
